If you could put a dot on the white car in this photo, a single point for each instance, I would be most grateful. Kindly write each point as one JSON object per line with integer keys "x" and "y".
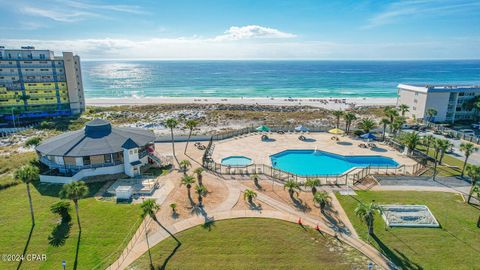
{"x": 477, "y": 126}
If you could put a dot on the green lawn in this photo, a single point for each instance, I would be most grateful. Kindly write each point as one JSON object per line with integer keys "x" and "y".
{"x": 454, "y": 246}
{"x": 105, "y": 227}
{"x": 252, "y": 243}
{"x": 8, "y": 164}
{"x": 444, "y": 170}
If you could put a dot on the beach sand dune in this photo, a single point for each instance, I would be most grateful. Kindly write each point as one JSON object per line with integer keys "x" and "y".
{"x": 327, "y": 103}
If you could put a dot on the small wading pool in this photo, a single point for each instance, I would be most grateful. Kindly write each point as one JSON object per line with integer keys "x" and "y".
{"x": 408, "y": 216}
{"x": 236, "y": 161}
{"x": 317, "y": 163}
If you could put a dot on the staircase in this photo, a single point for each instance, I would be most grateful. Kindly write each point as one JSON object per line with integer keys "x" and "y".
{"x": 161, "y": 160}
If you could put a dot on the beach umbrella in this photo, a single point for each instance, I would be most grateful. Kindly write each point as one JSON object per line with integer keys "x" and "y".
{"x": 336, "y": 131}
{"x": 368, "y": 136}
{"x": 301, "y": 128}
{"x": 262, "y": 128}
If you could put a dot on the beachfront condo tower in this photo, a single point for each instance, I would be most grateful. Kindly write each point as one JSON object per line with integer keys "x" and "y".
{"x": 451, "y": 102}
{"x": 35, "y": 84}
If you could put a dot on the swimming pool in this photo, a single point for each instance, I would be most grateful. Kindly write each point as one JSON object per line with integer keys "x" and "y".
{"x": 312, "y": 163}
{"x": 236, "y": 161}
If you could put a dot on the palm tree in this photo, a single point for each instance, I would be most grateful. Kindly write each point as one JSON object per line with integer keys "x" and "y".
{"x": 184, "y": 165}
{"x": 473, "y": 104}
{"x": 28, "y": 174}
{"x": 349, "y": 118}
{"x": 75, "y": 191}
{"x": 249, "y": 195}
{"x": 366, "y": 213}
{"x": 384, "y": 123}
{"x": 321, "y": 198}
{"x": 292, "y": 187}
{"x": 467, "y": 149}
{"x": 397, "y": 124}
{"x": 171, "y": 124}
{"x": 337, "y": 115}
{"x": 443, "y": 145}
{"x": 391, "y": 113}
{"x": 201, "y": 192}
{"x": 198, "y": 171}
{"x": 403, "y": 108}
{"x": 431, "y": 112}
{"x": 313, "y": 183}
{"x": 188, "y": 181}
{"x": 437, "y": 144}
{"x": 174, "y": 208}
{"x": 427, "y": 141}
{"x": 411, "y": 139}
{"x": 191, "y": 125}
{"x": 474, "y": 173}
{"x": 367, "y": 124}
{"x": 149, "y": 208}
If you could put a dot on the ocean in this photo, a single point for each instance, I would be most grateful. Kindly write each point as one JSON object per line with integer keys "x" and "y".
{"x": 103, "y": 79}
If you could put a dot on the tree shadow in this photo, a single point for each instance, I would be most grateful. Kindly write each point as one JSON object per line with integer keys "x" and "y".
{"x": 26, "y": 246}
{"x": 344, "y": 143}
{"x": 75, "y": 264}
{"x": 400, "y": 260}
{"x": 255, "y": 206}
{"x": 165, "y": 262}
{"x": 334, "y": 222}
{"x": 300, "y": 204}
{"x": 208, "y": 221}
{"x": 61, "y": 231}
{"x": 378, "y": 149}
{"x": 60, "y": 234}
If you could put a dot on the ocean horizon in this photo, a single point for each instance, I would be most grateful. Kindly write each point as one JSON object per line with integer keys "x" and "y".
{"x": 268, "y": 78}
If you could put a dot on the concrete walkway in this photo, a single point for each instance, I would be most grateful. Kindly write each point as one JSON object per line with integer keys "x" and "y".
{"x": 224, "y": 211}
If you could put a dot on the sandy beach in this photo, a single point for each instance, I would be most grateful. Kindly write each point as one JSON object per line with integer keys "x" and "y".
{"x": 327, "y": 103}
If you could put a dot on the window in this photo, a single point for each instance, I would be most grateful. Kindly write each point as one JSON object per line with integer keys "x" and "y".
{"x": 42, "y": 56}
{"x": 107, "y": 158}
{"x": 86, "y": 160}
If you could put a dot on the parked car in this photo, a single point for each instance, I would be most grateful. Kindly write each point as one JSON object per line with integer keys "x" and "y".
{"x": 477, "y": 126}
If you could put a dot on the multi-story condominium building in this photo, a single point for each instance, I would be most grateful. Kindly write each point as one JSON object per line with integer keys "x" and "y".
{"x": 448, "y": 100}
{"x": 36, "y": 84}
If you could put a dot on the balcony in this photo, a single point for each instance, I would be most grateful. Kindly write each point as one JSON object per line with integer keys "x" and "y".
{"x": 75, "y": 168}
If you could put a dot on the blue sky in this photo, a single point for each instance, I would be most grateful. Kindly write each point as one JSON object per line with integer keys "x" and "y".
{"x": 241, "y": 29}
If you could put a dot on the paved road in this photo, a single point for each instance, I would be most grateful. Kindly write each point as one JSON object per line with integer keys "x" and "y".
{"x": 473, "y": 159}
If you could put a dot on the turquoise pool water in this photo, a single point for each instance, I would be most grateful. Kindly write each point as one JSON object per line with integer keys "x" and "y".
{"x": 317, "y": 163}
{"x": 236, "y": 161}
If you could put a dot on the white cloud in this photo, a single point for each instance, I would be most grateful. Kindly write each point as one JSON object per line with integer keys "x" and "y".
{"x": 74, "y": 11}
{"x": 208, "y": 48}
{"x": 60, "y": 16}
{"x": 252, "y": 31}
{"x": 406, "y": 10}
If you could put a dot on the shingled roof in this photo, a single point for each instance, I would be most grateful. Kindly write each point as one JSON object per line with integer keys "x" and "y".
{"x": 97, "y": 138}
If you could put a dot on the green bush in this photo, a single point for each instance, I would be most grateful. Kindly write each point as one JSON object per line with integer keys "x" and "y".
{"x": 34, "y": 141}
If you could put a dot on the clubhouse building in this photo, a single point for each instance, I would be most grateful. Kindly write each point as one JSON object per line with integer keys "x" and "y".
{"x": 98, "y": 149}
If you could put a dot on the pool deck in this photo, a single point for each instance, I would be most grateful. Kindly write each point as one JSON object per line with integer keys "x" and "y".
{"x": 259, "y": 151}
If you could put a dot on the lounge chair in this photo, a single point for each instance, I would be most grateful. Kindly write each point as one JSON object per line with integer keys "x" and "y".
{"x": 264, "y": 138}
{"x": 372, "y": 145}
{"x": 362, "y": 145}
{"x": 302, "y": 138}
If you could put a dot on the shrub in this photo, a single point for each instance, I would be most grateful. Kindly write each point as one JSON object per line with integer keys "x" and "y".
{"x": 34, "y": 141}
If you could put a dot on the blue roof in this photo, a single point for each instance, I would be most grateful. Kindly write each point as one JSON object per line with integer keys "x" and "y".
{"x": 129, "y": 144}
